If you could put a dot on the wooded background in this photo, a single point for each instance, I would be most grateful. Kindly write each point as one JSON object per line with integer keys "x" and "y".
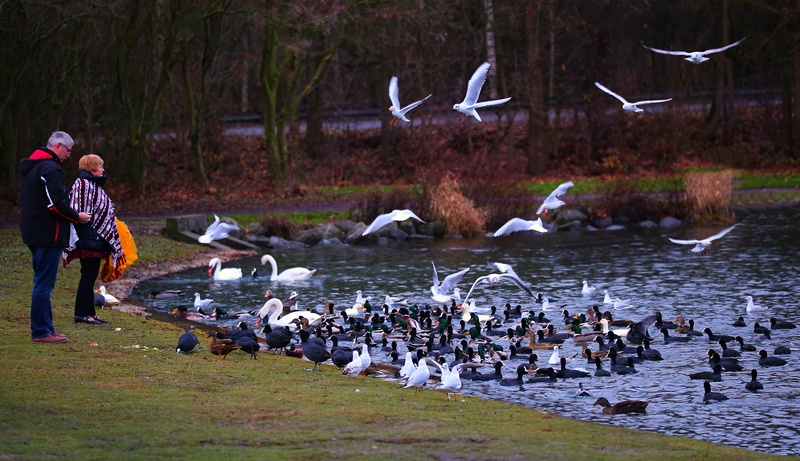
{"x": 117, "y": 74}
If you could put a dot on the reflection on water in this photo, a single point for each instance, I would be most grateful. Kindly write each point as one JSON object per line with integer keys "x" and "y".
{"x": 759, "y": 258}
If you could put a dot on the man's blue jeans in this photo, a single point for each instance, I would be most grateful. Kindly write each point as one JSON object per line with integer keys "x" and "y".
{"x": 45, "y": 269}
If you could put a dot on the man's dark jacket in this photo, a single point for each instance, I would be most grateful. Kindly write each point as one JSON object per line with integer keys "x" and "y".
{"x": 44, "y": 201}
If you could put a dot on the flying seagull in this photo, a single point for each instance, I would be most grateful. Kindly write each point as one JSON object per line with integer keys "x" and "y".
{"x": 695, "y": 57}
{"x": 384, "y": 219}
{"x": 470, "y": 103}
{"x": 494, "y": 279}
{"x": 519, "y": 224}
{"x": 629, "y": 106}
{"x": 552, "y": 201}
{"x": 217, "y": 231}
{"x": 396, "y": 109}
{"x": 702, "y": 245}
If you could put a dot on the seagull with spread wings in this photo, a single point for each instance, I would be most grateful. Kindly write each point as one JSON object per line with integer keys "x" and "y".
{"x": 630, "y": 106}
{"x": 494, "y": 279}
{"x": 702, "y": 245}
{"x": 518, "y": 225}
{"x": 384, "y": 219}
{"x": 470, "y": 103}
{"x": 553, "y": 201}
{"x": 695, "y": 57}
{"x": 399, "y": 112}
{"x": 439, "y": 290}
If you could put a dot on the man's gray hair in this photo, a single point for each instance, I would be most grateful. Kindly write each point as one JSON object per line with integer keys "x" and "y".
{"x": 60, "y": 137}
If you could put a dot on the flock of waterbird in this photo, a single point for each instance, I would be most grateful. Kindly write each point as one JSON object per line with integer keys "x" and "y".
{"x": 458, "y": 341}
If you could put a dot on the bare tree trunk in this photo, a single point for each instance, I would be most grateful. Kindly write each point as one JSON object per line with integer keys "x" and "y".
{"x": 491, "y": 51}
{"x": 794, "y": 130}
{"x": 537, "y": 113}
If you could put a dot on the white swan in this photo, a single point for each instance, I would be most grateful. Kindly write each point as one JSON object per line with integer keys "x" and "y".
{"x": 289, "y": 275}
{"x": 229, "y": 273}
{"x": 272, "y": 310}
{"x": 110, "y": 299}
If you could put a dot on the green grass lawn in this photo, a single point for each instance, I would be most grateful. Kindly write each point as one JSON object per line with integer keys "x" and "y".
{"x": 120, "y": 391}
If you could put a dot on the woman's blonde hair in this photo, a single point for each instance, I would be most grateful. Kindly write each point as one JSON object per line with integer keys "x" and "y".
{"x": 90, "y": 162}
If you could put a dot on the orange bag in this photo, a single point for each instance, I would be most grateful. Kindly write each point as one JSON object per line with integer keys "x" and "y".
{"x": 129, "y": 255}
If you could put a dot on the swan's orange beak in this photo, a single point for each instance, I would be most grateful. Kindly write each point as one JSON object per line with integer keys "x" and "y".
{"x": 174, "y": 311}
{"x": 258, "y": 321}
{"x": 209, "y": 271}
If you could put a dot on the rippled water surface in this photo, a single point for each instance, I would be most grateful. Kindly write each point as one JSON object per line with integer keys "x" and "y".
{"x": 759, "y": 258}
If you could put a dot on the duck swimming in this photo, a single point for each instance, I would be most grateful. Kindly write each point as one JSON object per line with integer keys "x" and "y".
{"x": 623, "y": 407}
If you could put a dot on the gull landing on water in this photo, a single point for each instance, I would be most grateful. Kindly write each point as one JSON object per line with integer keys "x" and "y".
{"x": 519, "y": 224}
{"x": 630, "y": 106}
{"x": 702, "y": 245}
{"x": 695, "y": 57}
{"x": 396, "y": 109}
{"x": 470, "y": 103}
{"x": 439, "y": 290}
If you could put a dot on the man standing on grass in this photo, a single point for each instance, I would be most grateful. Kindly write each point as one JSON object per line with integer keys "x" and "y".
{"x": 45, "y": 224}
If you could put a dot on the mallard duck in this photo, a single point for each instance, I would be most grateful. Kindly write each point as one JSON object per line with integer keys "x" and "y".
{"x": 221, "y": 346}
{"x": 166, "y": 294}
{"x": 183, "y": 312}
{"x": 623, "y": 407}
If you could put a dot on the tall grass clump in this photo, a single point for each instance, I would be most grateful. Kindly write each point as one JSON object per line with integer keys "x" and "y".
{"x": 458, "y": 213}
{"x": 708, "y": 195}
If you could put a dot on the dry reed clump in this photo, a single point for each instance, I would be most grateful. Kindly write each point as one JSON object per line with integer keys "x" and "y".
{"x": 458, "y": 214}
{"x": 708, "y": 195}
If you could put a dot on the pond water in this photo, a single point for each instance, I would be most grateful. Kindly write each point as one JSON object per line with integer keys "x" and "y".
{"x": 758, "y": 258}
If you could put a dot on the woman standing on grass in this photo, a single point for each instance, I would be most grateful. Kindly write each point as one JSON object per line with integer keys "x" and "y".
{"x": 97, "y": 239}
